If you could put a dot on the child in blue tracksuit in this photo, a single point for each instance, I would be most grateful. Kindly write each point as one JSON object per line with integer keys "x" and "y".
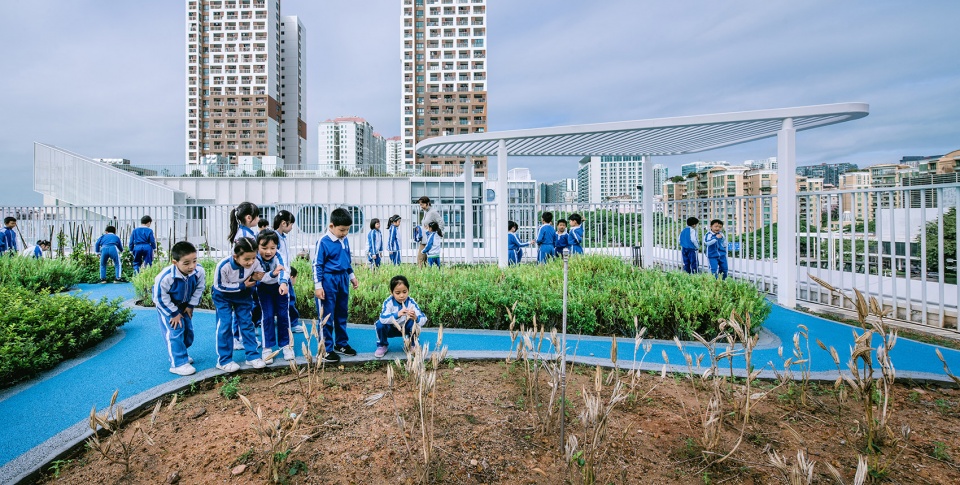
{"x": 176, "y": 292}
{"x": 142, "y": 244}
{"x": 274, "y": 296}
{"x": 514, "y": 246}
{"x": 233, "y": 282}
{"x": 716, "y": 245}
{"x": 8, "y": 236}
{"x": 546, "y": 238}
{"x": 399, "y": 311}
{"x": 434, "y": 240}
{"x": 36, "y": 251}
{"x": 393, "y": 239}
{"x": 109, "y": 247}
{"x": 689, "y": 245}
{"x": 283, "y": 224}
{"x": 244, "y": 221}
{"x": 575, "y": 236}
{"x": 374, "y": 244}
{"x": 563, "y": 238}
{"x": 332, "y": 278}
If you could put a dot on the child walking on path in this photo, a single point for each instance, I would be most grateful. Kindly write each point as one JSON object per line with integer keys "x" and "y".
{"x": 109, "y": 247}
{"x": 283, "y": 223}
{"x": 232, "y": 296}
{"x": 393, "y": 240}
{"x": 274, "y": 298}
{"x": 176, "y": 292}
{"x": 546, "y": 238}
{"x": 576, "y": 234}
{"x": 398, "y": 315}
{"x": 716, "y": 245}
{"x": 514, "y": 246}
{"x": 434, "y": 239}
{"x": 332, "y": 278}
{"x": 142, "y": 244}
{"x": 374, "y": 244}
{"x": 689, "y": 245}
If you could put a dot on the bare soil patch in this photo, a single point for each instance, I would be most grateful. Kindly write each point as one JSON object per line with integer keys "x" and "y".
{"x": 486, "y": 433}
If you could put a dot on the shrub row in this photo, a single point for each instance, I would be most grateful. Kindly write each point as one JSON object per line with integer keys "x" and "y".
{"x": 605, "y": 294}
{"x": 38, "y": 274}
{"x": 39, "y": 330}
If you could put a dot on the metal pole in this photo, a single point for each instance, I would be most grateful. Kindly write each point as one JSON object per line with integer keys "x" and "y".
{"x": 468, "y": 210}
{"x": 563, "y": 352}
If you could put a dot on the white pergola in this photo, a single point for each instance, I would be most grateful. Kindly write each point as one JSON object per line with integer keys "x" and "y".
{"x": 660, "y": 137}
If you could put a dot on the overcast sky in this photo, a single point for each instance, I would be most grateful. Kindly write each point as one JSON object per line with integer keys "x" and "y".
{"x": 106, "y": 78}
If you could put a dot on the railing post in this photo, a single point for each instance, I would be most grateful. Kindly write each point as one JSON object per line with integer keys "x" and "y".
{"x": 786, "y": 215}
{"x": 646, "y": 172}
{"x": 468, "y": 210}
{"x": 502, "y": 199}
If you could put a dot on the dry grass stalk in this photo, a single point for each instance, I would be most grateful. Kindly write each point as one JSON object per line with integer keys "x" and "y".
{"x": 946, "y": 368}
{"x": 529, "y": 345}
{"x": 594, "y": 417}
{"x": 310, "y": 376}
{"x": 116, "y": 448}
{"x": 280, "y": 436}
{"x": 797, "y": 473}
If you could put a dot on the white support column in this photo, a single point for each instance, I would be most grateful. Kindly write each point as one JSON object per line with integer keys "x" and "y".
{"x": 502, "y": 198}
{"x": 646, "y": 173}
{"x": 468, "y": 210}
{"x": 786, "y": 266}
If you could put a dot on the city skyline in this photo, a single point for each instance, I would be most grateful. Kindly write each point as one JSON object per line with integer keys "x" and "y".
{"x": 107, "y": 80}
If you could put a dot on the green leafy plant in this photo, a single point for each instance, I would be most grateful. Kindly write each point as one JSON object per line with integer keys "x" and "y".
{"x": 230, "y": 388}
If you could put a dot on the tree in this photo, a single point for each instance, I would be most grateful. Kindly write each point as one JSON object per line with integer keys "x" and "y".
{"x": 949, "y": 241}
{"x": 677, "y": 178}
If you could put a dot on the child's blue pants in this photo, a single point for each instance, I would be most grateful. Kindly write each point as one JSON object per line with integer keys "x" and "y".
{"x": 385, "y": 332}
{"x": 718, "y": 266}
{"x": 544, "y": 252}
{"x": 433, "y": 261}
{"x": 178, "y": 339}
{"x": 234, "y": 309}
{"x": 109, "y": 252}
{"x": 142, "y": 256}
{"x": 395, "y": 257}
{"x": 336, "y": 289}
{"x": 275, "y": 318}
{"x": 690, "y": 263}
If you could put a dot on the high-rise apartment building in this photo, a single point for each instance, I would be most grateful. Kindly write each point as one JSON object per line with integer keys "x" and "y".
{"x": 829, "y": 172}
{"x": 245, "y": 84}
{"x": 693, "y": 167}
{"x": 563, "y": 191}
{"x": 609, "y": 178}
{"x": 444, "y": 51}
{"x": 660, "y": 176}
{"x": 394, "y": 156}
{"x": 349, "y": 146}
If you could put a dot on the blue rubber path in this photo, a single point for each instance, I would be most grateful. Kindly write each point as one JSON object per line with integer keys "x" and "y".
{"x": 135, "y": 360}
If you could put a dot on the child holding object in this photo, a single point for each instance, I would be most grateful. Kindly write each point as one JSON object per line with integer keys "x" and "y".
{"x": 109, "y": 247}
{"x": 716, "y": 245}
{"x": 233, "y": 285}
{"x": 398, "y": 316}
{"x": 274, "y": 297}
{"x": 176, "y": 292}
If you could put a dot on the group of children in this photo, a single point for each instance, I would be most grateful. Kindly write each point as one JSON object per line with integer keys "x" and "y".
{"x": 428, "y": 235}
{"x": 550, "y": 242}
{"x": 714, "y": 241}
{"x": 258, "y": 274}
{"x": 142, "y": 245}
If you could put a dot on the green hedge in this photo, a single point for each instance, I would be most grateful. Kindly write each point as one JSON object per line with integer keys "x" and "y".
{"x": 38, "y": 274}
{"x": 605, "y": 294}
{"x": 38, "y": 330}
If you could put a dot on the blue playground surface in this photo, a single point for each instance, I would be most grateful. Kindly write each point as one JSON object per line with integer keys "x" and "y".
{"x": 134, "y": 361}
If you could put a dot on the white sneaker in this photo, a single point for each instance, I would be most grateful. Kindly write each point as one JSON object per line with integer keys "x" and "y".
{"x": 237, "y": 344}
{"x": 183, "y": 370}
{"x": 288, "y": 353}
{"x": 297, "y": 329}
{"x": 256, "y": 363}
{"x": 229, "y": 367}
{"x": 268, "y": 356}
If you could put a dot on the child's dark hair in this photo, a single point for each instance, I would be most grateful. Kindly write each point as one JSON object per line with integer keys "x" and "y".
{"x": 146, "y": 220}
{"x": 692, "y": 221}
{"x": 111, "y": 229}
{"x": 241, "y": 212}
{"x": 268, "y": 235}
{"x": 396, "y": 280}
{"x": 562, "y": 221}
{"x": 283, "y": 216}
{"x": 341, "y": 217}
{"x": 244, "y": 245}
{"x": 547, "y": 217}
{"x": 181, "y": 249}
{"x": 374, "y": 222}
{"x": 716, "y": 221}
{"x": 262, "y": 224}
{"x": 393, "y": 218}
{"x": 512, "y": 225}
{"x": 43, "y": 242}
{"x": 8, "y": 220}
{"x": 576, "y": 218}
{"x": 435, "y": 228}
{"x": 293, "y": 272}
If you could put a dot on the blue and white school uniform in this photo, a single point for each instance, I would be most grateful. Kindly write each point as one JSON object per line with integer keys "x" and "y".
{"x": 390, "y": 323}
{"x": 563, "y": 242}
{"x": 8, "y": 240}
{"x": 546, "y": 241}
{"x": 275, "y": 317}
{"x": 244, "y": 231}
{"x": 109, "y": 247}
{"x": 142, "y": 245}
{"x": 393, "y": 244}
{"x": 234, "y": 303}
{"x": 689, "y": 245}
{"x": 432, "y": 248}
{"x": 716, "y": 253}
{"x": 284, "y": 250}
{"x": 34, "y": 252}
{"x": 173, "y": 293}
{"x": 332, "y": 271}
{"x": 515, "y": 248}
{"x": 576, "y": 240}
{"x": 374, "y": 247}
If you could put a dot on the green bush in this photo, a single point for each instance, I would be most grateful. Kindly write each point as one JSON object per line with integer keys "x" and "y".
{"x": 605, "y": 294}
{"x": 38, "y": 330}
{"x": 38, "y": 274}
{"x": 88, "y": 265}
